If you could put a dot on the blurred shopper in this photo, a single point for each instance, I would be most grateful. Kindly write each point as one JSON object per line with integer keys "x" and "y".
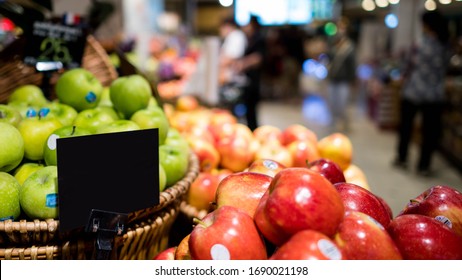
{"x": 232, "y": 48}
{"x": 423, "y": 92}
{"x": 251, "y": 66}
{"x": 341, "y": 75}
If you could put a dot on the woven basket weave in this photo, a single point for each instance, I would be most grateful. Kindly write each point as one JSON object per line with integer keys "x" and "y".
{"x": 147, "y": 234}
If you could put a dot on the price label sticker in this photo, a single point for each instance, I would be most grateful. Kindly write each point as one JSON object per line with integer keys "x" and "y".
{"x": 48, "y": 41}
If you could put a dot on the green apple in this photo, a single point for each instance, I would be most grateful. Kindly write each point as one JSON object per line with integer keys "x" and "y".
{"x": 35, "y": 132}
{"x": 118, "y": 126}
{"x": 109, "y": 110}
{"x": 175, "y": 139}
{"x": 105, "y": 99}
{"x": 174, "y": 161}
{"x": 162, "y": 178}
{"x": 39, "y": 194}
{"x": 9, "y": 197}
{"x": 65, "y": 113}
{"x": 12, "y": 147}
{"x": 91, "y": 119}
{"x": 50, "y": 146}
{"x": 79, "y": 88}
{"x": 29, "y": 94}
{"x": 130, "y": 94}
{"x": 152, "y": 102}
{"x": 153, "y": 118}
{"x": 25, "y": 170}
{"x": 10, "y": 115}
{"x": 23, "y": 108}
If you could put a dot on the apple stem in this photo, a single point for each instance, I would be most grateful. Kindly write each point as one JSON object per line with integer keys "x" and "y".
{"x": 73, "y": 130}
{"x": 199, "y": 222}
{"x": 413, "y": 201}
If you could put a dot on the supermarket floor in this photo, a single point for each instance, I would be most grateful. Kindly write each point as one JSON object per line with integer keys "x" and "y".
{"x": 373, "y": 148}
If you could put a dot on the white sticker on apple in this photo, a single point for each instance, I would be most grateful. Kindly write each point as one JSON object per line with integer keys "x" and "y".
{"x": 220, "y": 252}
{"x": 270, "y": 164}
{"x": 52, "y": 141}
{"x": 445, "y": 220}
{"x": 329, "y": 249}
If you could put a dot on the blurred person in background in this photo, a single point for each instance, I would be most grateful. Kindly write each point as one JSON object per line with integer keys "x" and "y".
{"x": 423, "y": 92}
{"x": 251, "y": 65}
{"x": 232, "y": 48}
{"x": 341, "y": 75}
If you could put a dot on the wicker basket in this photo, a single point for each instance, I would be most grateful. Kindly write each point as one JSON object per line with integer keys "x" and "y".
{"x": 14, "y": 73}
{"x": 147, "y": 234}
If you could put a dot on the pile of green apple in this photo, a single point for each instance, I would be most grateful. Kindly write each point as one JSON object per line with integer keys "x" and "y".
{"x": 30, "y": 126}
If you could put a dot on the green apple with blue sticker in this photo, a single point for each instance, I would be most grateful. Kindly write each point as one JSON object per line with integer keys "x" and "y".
{"x": 9, "y": 197}
{"x": 39, "y": 194}
{"x": 79, "y": 88}
{"x": 35, "y": 130}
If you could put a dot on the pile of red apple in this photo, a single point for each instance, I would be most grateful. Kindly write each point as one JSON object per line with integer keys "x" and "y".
{"x": 287, "y": 213}
{"x": 30, "y": 125}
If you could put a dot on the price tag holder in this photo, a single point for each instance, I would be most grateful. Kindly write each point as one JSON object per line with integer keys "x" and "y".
{"x": 51, "y": 46}
{"x": 104, "y": 177}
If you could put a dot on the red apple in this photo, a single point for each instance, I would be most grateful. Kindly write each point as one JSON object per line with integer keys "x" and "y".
{"x": 271, "y": 232}
{"x": 276, "y": 152}
{"x": 202, "y": 191}
{"x": 386, "y": 205}
{"x": 267, "y": 133}
{"x": 266, "y": 166}
{"x": 356, "y": 198}
{"x": 420, "y": 237}
{"x": 443, "y": 203}
{"x": 187, "y": 103}
{"x": 355, "y": 175}
{"x": 242, "y": 190}
{"x": 207, "y": 154}
{"x": 235, "y": 152}
{"x": 167, "y": 254}
{"x": 308, "y": 245}
{"x": 361, "y": 237}
{"x": 227, "y": 233}
{"x": 297, "y": 132}
{"x": 338, "y": 148}
{"x": 182, "y": 251}
{"x": 328, "y": 169}
{"x": 300, "y": 198}
{"x": 302, "y": 152}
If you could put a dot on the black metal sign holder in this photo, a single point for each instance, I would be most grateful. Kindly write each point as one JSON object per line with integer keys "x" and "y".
{"x": 106, "y": 225}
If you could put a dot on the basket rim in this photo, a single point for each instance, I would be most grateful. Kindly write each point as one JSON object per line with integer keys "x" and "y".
{"x": 166, "y": 197}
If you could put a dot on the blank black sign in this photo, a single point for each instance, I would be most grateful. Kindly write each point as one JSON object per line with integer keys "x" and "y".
{"x": 116, "y": 172}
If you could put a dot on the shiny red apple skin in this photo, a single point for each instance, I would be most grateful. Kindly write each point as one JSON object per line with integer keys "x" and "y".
{"x": 386, "y": 205}
{"x": 272, "y": 233}
{"x": 242, "y": 190}
{"x": 266, "y": 166}
{"x": 356, "y": 198}
{"x": 420, "y": 237}
{"x": 167, "y": 254}
{"x": 360, "y": 237}
{"x": 227, "y": 233}
{"x": 300, "y": 199}
{"x": 303, "y": 151}
{"x": 328, "y": 169}
{"x": 308, "y": 245}
{"x": 203, "y": 190}
{"x": 443, "y": 203}
{"x": 296, "y": 132}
